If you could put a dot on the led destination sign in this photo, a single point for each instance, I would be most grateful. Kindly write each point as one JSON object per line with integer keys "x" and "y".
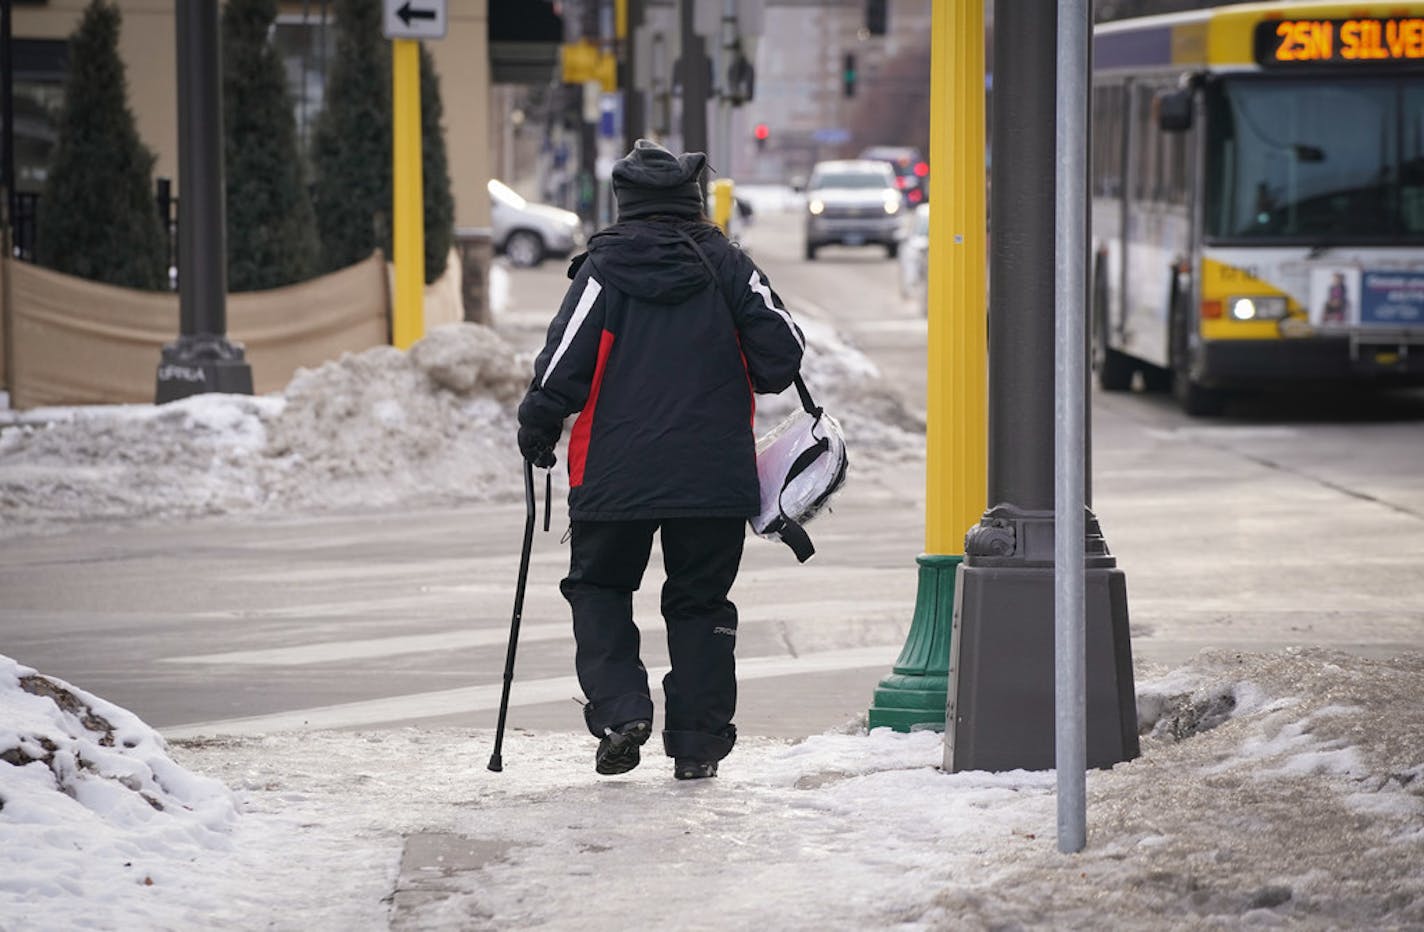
{"x": 1287, "y": 42}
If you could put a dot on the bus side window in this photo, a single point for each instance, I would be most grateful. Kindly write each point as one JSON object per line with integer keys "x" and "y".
{"x": 1174, "y": 168}
{"x": 1147, "y": 146}
{"x": 1107, "y": 122}
{"x": 1173, "y": 109}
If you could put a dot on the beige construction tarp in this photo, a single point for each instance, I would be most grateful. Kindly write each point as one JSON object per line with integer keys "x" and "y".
{"x": 73, "y": 341}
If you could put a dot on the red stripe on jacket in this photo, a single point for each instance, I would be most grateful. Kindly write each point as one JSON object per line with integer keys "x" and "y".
{"x": 751, "y": 389}
{"x": 583, "y": 427}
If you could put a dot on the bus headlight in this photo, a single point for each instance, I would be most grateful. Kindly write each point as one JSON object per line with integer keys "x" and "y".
{"x": 1257, "y": 307}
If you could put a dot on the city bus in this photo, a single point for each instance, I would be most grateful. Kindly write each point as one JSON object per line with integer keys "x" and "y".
{"x": 1257, "y": 181}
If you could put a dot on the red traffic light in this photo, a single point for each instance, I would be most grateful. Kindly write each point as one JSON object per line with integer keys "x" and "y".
{"x": 761, "y": 132}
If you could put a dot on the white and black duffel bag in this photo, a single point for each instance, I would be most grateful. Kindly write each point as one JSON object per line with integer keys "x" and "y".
{"x": 801, "y": 463}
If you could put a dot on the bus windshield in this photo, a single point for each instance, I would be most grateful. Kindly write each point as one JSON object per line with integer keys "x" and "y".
{"x": 1321, "y": 161}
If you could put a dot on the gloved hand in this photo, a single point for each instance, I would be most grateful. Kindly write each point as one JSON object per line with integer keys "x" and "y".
{"x": 537, "y": 446}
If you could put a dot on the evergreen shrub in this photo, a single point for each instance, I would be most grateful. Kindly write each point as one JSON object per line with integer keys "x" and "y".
{"x": 98, "y": 218}
{"x": 271, "y": 227}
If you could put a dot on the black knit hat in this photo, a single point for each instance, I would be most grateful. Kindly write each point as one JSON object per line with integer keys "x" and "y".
{"x": 651, "y": 180}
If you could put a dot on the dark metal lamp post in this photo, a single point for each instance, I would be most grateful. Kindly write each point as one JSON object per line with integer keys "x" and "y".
{"x": 1001, "y": 702}
{"x": 202, "y": 359}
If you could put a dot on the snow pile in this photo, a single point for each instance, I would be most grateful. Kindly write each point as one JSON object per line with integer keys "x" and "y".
{"x": 384, "y": 427}
{"x": 193, "y": 457}
{"x": 374, "y": 428}
{"x": 377, "y": 428}
{"x": 1273, "y": 789}
{"x": 849, "y": 386}
{"x": 88, "y": 793}
{"x": 103, "y": 830}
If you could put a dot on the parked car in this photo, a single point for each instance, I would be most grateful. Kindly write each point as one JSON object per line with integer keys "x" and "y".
{"x": 528, "y": 233}
{"x": 912, "y": 172}
{"x": 853, "y": 203}
{"x": 914, "y": 257}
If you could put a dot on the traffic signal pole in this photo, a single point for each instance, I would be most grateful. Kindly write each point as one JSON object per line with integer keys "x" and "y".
{"x": 694, "y": 82}
{"x": 635, "y": 118}
{"x": 722, "y": 139}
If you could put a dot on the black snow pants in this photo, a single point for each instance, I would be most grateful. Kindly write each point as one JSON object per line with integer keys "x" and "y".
{"x": 701, "y": 557}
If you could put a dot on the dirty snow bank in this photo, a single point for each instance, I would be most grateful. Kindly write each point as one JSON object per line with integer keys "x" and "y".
{"x": 372, "y": 429}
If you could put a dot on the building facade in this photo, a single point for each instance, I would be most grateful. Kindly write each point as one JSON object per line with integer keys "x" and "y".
{"x": 306, "y": 39}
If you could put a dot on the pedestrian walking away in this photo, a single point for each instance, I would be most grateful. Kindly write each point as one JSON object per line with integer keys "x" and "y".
{"x": 662, "y": 370}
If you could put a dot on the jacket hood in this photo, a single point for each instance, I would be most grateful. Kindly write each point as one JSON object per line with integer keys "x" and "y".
{"x": 648, "y": 259}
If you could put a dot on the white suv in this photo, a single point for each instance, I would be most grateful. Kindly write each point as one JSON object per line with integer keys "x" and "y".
{"x": 852, "y": 203}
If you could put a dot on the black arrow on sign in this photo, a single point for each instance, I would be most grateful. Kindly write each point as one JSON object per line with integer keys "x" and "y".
{"x": 407, "y": 14}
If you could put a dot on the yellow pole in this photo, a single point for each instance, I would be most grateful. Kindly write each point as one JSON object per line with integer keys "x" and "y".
{"x": 956, "y": 456}
{"x": 956, "y": 473}
{"x": 408, "y": 324}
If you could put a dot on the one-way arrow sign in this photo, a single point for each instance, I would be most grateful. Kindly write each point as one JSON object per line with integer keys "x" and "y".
{"x": 407, "y": 13}
{"x": 414, "y": 19}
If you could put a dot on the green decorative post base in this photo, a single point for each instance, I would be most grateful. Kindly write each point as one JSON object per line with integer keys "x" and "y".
{"x": 913, "y": 696}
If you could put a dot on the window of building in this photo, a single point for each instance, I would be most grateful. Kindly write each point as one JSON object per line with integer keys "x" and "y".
{"x": 41, "y": 67}
{"x": 307, "y": 42}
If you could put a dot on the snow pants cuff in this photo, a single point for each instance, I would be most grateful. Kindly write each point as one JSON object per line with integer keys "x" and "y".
{"x": 700, "y": 745}
{"x": 611, "y": 713}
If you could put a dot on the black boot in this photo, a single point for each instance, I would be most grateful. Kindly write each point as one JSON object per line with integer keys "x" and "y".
{"x": 618, "y": 751}
{"x": 685, "y": 768}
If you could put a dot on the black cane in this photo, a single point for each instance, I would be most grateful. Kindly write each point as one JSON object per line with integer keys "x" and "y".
{"x": 496, "y": 763}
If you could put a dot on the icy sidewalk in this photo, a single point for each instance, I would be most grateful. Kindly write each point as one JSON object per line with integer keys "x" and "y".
{"x": 1282, "y": 788}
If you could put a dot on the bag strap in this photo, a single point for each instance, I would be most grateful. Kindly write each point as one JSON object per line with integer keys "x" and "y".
{"x": 807, "y": 401}
{"x": 807, "y": 457}
{"x": 794, "y": 536}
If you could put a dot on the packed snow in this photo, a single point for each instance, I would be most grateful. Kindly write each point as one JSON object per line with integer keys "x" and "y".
{"x": 1273, "y": 789}
{"x": 377, "y": 428}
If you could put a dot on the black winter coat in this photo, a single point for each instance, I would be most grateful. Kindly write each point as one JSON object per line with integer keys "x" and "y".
{"x": 662, "y": 367}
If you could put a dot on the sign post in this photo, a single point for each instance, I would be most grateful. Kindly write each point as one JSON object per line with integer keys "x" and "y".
{"x": 1069, "y": 415}
{"x": 405, "y": 23}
